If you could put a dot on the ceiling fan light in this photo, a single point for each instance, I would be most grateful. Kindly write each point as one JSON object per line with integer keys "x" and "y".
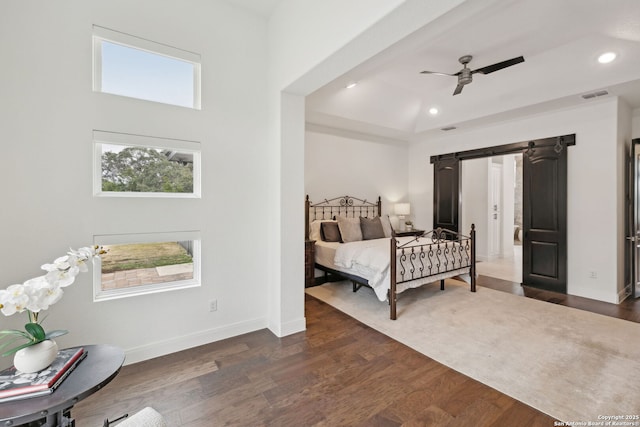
{"x": 607, "y": 57}
{"x": 433, "y": 111}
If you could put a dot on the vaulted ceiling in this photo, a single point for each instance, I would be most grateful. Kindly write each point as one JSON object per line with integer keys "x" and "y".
{"x": 560, "y": 41}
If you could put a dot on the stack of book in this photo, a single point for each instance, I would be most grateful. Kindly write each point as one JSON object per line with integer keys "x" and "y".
{"x": 16, "y": 385}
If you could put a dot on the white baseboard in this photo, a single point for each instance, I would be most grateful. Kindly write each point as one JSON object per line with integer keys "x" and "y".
{"x": 283, "y": 329}
{"x": 172, "y": 345}
{"x": 291, "y": 327}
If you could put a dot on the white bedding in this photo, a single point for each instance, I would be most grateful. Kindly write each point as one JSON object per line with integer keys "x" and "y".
{"x": 369, "y": 259}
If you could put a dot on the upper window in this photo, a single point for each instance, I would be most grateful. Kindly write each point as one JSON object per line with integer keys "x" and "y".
{"x": 130, "y": 66}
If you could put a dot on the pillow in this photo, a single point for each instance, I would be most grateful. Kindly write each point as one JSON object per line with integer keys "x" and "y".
{"x": 330, "y": 232}
{"x": 371, "y": 228}
{"x": 386, "y": 226}
{"x": 315, "y": 233}
{"x": 349, "y": 229}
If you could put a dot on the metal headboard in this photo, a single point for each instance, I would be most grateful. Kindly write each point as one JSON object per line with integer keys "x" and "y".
{"x": 345, "y": 205}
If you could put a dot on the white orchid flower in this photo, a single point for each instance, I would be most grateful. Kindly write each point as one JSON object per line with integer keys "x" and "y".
{"x": 97, "y": 250}
{"x": 39, "y": 293}
{"x": 79, "y": 258}
{"x": 61, "y": 263}
{"x": 51, "y": 296}
{"x": 42, "y": 294}
{"x": 14, "y": 300}
{"x": 7, "y": 307}
{"x": 33, "y": 294}
{"x": 63, "y": 278}
{"x": 85, "y": 253}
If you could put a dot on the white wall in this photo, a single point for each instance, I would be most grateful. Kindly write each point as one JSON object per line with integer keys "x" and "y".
{"x": 337, "y": 166}
{"x": 47, "y": 114}
{"x": 295, "y": 53}
{"x": 593, "y": 170}
{"x": 301, "y": 35}
{"x": 251, "y": 132}
{"x": 474, "y": 194}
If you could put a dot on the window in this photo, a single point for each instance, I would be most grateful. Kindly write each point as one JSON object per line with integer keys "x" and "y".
{"x": 138, "y": 68}
{"x": 146, "y": 263}
{"x": 142, "y": 166}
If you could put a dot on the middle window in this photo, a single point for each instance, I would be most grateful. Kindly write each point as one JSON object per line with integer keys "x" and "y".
{"x": 141, "y": 166}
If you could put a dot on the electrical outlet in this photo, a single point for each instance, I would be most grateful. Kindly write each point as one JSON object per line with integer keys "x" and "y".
{"x": 593, "y": 275}
{"x": 213, "y": 305}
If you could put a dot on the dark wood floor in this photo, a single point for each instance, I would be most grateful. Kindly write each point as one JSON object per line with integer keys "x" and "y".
{"x": 628, "y": 309}
{"x": 338, "y": 372}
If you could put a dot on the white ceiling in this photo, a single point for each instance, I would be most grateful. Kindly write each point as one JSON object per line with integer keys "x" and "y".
{"x": 261, "y": 7}
{"x": 559, "y": 39}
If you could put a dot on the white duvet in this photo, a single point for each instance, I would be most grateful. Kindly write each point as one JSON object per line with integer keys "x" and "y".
{"x": 371, "y": 255}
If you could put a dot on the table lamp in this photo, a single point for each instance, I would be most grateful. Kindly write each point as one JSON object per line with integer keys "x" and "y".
{"x": 402, "y": 210}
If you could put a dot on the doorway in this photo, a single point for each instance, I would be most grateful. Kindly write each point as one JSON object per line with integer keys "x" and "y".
{"x": 491, "y": 198}
{"x": 544, "y": 228}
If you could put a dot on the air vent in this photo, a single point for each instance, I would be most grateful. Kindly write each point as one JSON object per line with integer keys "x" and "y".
{"x": 595, "y": 94}
{"x": 448, "y": 128}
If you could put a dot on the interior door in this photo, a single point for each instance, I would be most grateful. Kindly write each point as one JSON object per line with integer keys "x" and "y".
{"x": 544, "y": 249}
{"x": 446, "y": 194}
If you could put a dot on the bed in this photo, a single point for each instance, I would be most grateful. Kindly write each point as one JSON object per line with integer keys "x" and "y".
{"x": 376, "y": 257}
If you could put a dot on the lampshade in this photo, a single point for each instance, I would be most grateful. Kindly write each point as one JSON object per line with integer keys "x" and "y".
{"x": 402, "y": 208}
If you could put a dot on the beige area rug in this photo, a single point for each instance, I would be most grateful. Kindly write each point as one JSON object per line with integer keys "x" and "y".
{"x": 573, "y": 365}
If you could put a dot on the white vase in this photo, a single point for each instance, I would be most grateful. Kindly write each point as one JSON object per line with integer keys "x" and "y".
{"x": 36, "y": 357}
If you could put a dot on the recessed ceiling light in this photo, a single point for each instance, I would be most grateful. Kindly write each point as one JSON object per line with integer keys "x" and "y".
{"x": 433, "y": 111}
{"x": 606, "y": 57}
{"x": 351, "y": 85}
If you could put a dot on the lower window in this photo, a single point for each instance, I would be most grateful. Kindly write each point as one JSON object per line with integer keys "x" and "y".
{"x": 146, "y": 263}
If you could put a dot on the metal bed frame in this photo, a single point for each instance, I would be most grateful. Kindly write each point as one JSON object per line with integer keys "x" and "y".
{"x": 409, "y": 261}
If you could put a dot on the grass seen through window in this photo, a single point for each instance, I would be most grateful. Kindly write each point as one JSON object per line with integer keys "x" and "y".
{"x": 130, "y": 269}
{"x": 143, "y": 255}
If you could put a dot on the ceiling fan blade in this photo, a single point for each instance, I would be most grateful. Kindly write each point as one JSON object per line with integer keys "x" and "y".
{"x": 458, "y": 89}
{"x": 499, "y": 66}
{"x": 437, "y": 73}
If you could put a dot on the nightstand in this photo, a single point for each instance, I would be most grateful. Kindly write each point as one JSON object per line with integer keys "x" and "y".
{"x": 309, "y": 263}
{"x": 408, "y": 233}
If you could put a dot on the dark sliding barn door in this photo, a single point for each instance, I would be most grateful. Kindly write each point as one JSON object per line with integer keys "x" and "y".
{"x": 544, "y": 250}
{"x": 446, "y": 193}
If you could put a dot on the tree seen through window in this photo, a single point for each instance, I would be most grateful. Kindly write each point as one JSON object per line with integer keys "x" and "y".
{"x": 141, "y": 169}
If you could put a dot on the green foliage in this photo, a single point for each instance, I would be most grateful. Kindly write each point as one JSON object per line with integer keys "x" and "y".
{"x": 139, "y": 169}
{"x": 33, "y": 334}
{"x": 36, "y": 331}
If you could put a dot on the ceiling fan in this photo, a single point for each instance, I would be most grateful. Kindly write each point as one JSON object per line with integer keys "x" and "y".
{"x": 465, "y": 76}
